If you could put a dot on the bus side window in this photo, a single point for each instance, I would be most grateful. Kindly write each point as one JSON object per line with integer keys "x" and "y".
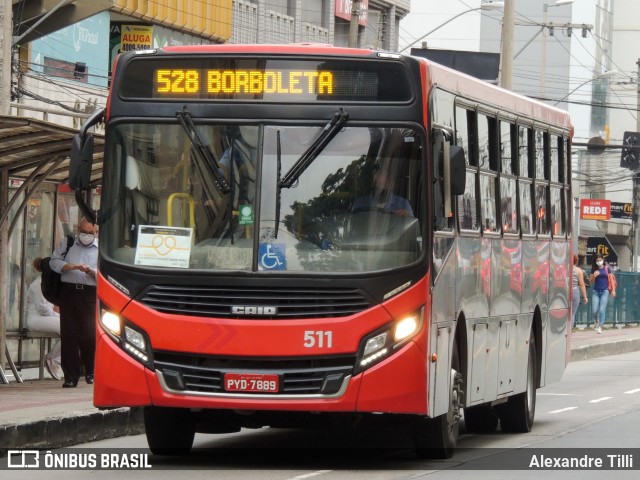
{"x": 527, "y": 223}
{"x": 540, "y": 172}
{"x": 489, "y": 154}
{"x": 443, "y": 220}
{"x": 506, "y": 150}
{"x": 523, "y": 151}
{"x": 466, "y": 136}
{"x": 557, "y": 204}
{"x": 488, "y": 202}
{"x": 542, "y": 209}
{"x": 488, "y": 149}
{"x": 468, "y": 218}
{"x": 554, "y": 159}
{"x": 508, "y": 204}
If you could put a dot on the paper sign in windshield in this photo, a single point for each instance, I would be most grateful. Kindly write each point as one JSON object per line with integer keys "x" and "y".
{"x": 163, "y": 246}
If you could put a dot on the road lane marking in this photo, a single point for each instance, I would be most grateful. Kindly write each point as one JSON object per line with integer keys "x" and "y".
{"x": 597, "y": 400}
{"x": 563, "y": 410}
{"x": 635, "y": 390}
{"x": 312, "y": 474}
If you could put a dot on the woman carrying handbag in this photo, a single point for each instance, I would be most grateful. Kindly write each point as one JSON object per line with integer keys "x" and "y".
{"x": 603, "y": 287}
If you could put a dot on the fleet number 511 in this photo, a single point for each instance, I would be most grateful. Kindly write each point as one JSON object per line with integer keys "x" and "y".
{"x": 320, "y": 339}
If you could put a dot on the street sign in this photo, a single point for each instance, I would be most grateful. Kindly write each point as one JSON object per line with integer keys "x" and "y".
{"x": 595, "y": 209}
{"x": 601, "y": 246}
{"x": 630, "y": 156}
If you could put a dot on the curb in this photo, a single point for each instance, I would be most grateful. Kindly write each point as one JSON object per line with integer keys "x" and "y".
{"x": 595, "y": 350}
{"x": 72, "y": 429}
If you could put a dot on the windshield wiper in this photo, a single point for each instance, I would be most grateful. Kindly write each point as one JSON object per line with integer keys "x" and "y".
{"x": 278, "y": 187}
{"x": 330, "y": 130}
{"x": 203, "y": 152}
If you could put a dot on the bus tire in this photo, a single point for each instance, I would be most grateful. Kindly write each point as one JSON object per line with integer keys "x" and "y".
{"x": 170, "y": 431}
{"x": 437, "y": 437}
{"x": 516, "y": 416}
{"x": 480, "y": 419}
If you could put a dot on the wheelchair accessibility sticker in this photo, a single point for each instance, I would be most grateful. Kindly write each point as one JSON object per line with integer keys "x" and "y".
{"x": 272, "y": 256}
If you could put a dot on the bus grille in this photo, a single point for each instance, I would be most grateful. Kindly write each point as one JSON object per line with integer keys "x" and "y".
{"x": 286, "y": 302}
{"x": 297, "y": 376}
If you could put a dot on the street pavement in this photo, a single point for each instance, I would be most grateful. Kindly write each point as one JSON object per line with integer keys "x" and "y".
{"x": 41, "y": 414}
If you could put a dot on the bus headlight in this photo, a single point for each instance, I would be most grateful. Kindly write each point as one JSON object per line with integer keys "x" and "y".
{"x": 130, "y": 338}
{"x": 111, "y": 323}
{"x": 406, "y": 328}
{"x": 383, "y": 342}
{"x": 135, "y": 344}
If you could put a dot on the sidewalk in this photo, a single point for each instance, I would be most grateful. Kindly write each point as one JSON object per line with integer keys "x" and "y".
{"x": 586, "y": 343}
{"x": 41, "y": 414}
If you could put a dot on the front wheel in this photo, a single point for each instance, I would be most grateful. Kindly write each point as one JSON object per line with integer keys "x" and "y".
{"x": 516, "y": 416}
{"x": 170, "y": 431}
{"x": 437, "y": 437}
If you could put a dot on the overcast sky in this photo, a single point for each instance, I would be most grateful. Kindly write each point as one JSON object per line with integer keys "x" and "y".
{"x": 462, "y": 33}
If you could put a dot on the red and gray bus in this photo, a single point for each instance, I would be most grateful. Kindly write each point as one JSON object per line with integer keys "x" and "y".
{"x": 297, "y": 234}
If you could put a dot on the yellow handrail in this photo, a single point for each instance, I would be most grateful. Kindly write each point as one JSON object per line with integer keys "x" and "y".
{"x": 192, "y": 208}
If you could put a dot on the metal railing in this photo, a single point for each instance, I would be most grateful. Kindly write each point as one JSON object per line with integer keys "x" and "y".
{"x": 624, "y": 309}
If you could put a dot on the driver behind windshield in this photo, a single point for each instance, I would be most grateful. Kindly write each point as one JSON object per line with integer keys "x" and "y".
{"x": 382, "y": 198}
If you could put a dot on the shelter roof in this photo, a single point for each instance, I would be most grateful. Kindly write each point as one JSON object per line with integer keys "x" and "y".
{"x": 30, "y": 147}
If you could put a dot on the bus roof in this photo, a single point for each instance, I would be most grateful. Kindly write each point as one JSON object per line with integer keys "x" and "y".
{"x": 293, "y": 48}
{"x": 474, "y": 89}
{"x": 437, "y": 75}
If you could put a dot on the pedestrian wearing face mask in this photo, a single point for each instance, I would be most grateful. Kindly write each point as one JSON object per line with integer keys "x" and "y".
{"x": 600, "y": 281}
{"x": 78, "y": 303}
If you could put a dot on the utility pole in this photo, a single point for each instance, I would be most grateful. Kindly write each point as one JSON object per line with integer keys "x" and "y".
{"x": 506, "y": 45}
{"x": 543, "y": 61}
{"x": 6, "y": 38}
{"x": 353, "y": 26}
{"x": 635, "y": 248}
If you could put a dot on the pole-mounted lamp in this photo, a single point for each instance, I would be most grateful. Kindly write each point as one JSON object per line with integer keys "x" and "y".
{"x": 484, "y": 6}
{"x": 607, "y": 74}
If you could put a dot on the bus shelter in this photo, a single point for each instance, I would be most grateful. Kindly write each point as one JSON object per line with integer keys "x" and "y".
{"x": 37, "y": 209}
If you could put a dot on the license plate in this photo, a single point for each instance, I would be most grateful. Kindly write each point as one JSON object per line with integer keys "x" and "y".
{"x": 251, "y": 382}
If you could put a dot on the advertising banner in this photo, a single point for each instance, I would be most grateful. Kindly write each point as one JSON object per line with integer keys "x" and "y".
{"x": 601, "y": 246}
{"x": 343, "y": 10}
{"x": 595, "y": 209}
{"x": 623, "y": 211}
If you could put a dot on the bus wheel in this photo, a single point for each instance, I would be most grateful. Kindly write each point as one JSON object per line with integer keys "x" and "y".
{"x": 480, "y": 419}
{"x": 437, "y": 437}
{"x": 170, "y": 431}
{"x": 516, "y": 416}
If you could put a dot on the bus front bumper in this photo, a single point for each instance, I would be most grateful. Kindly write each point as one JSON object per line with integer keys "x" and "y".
{"x": 396, "y": 385}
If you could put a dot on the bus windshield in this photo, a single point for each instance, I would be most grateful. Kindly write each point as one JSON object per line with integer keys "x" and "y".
{"x": 355, "y": 208}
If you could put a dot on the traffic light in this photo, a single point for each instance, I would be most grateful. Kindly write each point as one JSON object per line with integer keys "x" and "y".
{"x": 630, "y": 157}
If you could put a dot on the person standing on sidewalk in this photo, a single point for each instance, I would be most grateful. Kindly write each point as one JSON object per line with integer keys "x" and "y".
{"x": 600, "y": 280}
{"x": 78, "y": 302}
{"x": 579, "y": 289}
{"x": 44, "y": 316}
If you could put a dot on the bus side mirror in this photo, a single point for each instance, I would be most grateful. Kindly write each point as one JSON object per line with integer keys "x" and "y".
{"x": 81, "y": 162}
{"x": 82, "y": 153}
{"x": 457, "y": 170}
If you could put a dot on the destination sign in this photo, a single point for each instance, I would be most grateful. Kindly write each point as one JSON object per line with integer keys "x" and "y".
{"x": 212, "y": 82}
{"x": 278, "y": 80}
